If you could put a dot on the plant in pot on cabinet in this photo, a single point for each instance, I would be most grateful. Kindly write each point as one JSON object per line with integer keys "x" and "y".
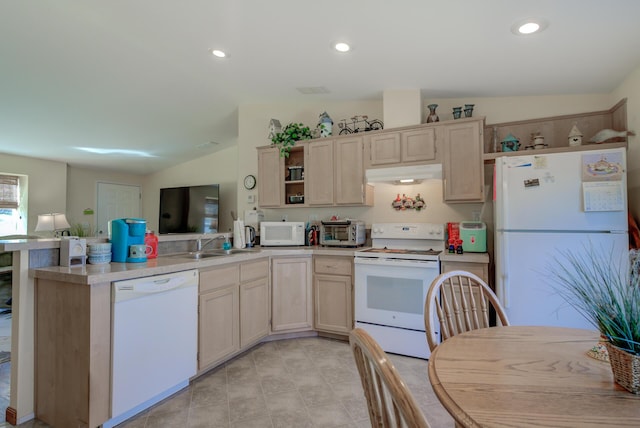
{"x": 599, "y": 287}
{"x": 287, "y": 138}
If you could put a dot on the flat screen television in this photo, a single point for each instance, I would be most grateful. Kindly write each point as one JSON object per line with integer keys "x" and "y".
{"x": 189, "y": 209}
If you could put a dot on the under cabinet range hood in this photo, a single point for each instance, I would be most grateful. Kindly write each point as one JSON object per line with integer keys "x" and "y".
{"x": 404, "y": 174}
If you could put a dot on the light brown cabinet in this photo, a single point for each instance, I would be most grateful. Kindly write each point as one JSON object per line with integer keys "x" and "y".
{"x": 333, "y": 294}
{"x": 277, "y": 184}
{"x": 218, "y": 314}
{"x": 254, "y": 302}
{"x": 292, "y": 301}
{"x": 463, "y": 168}
{"x": 335, "y": 173}
{"x": 478, "y": 268}
{"x": 332, "y": 173}
{"x": 270, "y": 177}
{"x": 319, "y": 172}
{"x": 406, "y": 147}
{"x": 233, "y": 310}
{"x": 351, "y": 188}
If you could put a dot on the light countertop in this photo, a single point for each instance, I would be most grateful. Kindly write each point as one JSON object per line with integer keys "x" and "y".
{"x": 94, "y": 274}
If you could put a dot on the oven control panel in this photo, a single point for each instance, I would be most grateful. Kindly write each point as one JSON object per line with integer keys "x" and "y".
{"x": 408, "y": 231}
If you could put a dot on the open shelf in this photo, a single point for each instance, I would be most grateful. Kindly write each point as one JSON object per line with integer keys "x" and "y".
{"x": 491, "y": 157}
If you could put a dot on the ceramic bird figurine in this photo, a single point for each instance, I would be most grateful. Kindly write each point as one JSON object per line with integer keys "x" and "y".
{"x": 607, "y": 134}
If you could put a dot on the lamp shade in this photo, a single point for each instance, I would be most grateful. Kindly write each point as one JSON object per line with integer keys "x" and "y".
{"x": 52, "y": 222}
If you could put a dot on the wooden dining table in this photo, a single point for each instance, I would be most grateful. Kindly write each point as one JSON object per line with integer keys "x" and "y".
{"x": 519, "y": 376}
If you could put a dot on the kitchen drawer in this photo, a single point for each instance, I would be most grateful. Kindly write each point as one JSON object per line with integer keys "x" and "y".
{"x": 333, "y": 265}
{"x": 219, "y": 277}
{"x": 254, "y": 270}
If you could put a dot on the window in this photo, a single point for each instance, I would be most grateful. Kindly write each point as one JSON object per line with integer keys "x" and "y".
{"x": 12, "y": 212}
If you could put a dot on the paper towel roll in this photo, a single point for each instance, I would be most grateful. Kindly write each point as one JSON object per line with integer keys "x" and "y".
{"x": 238, "y": 234}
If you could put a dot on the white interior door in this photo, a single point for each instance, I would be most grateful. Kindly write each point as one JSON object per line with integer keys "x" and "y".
{"x": 116, "y": 201}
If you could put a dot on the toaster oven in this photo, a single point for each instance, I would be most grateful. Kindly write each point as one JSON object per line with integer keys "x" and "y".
{"x": 342, "y": 233}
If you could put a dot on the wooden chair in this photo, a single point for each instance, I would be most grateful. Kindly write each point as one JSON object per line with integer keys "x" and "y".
{"x": 462, "y": 302}
{"x": 389, "y": 400}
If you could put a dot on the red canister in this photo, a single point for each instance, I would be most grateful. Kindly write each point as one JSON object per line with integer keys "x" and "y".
{"x": 151, "y": 240}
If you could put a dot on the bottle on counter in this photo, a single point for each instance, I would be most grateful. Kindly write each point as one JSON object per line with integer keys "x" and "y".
{"x": 151, "y": 240}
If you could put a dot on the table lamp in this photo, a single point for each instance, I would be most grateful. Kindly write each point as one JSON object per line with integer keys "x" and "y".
{"x": 53, "y": 222}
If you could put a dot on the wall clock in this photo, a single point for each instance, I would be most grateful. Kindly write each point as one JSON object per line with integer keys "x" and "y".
{"x": 249, "y": 182}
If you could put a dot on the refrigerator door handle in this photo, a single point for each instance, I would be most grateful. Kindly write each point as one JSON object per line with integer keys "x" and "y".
{"x": 503, "y": 280}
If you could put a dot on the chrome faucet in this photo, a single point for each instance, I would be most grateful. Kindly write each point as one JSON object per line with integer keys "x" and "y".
{"x": 200, "y": 245}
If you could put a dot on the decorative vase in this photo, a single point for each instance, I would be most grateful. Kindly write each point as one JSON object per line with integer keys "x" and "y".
{"x": 325, "y": 124}
{"x": 457, "y": 112}
{"x": 433, "y": 117}
{"x": 625, "y": 368}
{"x": 468, "y": 110}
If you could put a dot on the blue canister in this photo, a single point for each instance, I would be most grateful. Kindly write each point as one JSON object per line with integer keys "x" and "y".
{"x": 510, "y": 144}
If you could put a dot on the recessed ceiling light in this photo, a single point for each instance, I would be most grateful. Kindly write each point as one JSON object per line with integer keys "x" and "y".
{"x": 342, "y": 47}
{"x": 529, "y": 26}
{"x": 218, "y": 53}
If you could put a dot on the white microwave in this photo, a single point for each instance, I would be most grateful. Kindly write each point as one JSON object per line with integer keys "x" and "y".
{"x": 281, "y": 233}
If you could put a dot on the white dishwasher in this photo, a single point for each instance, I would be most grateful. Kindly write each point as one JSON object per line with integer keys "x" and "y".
{"x": 154, "y": 340}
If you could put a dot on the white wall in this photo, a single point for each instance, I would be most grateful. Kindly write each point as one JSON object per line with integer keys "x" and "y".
{"x": 508, "y": 109}
{"x": 47, "y": 182}
{"x": 53, "y": 192}
{"x": 254, "y": 120}
{"x": 217, "y": 168}
{"x": 82, "y": 187}
{"x": 630, "y": 89}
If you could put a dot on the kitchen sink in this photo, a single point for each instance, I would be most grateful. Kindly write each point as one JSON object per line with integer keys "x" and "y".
{"x": 197, "y": 255}
{"x": 234, "y": 251}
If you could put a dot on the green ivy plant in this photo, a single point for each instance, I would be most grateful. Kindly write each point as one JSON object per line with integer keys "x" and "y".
{"x": 287, "y": 138}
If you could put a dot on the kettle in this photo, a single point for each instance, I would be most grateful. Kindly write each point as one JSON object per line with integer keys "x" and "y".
{"x": 250, "y": 236}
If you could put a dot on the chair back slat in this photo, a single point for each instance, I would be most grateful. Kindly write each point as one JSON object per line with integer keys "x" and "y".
{"x": 389, "y": 400}
{"x": 460, "y": 301}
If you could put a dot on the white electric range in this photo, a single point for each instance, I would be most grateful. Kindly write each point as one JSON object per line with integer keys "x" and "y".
{"x": 391, "y": 283}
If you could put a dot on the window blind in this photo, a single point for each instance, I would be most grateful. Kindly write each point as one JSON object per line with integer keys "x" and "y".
{"x": 8, "y": 191}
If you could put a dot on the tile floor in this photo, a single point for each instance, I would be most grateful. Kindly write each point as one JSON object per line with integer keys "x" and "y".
{"x": 304, "y": 382}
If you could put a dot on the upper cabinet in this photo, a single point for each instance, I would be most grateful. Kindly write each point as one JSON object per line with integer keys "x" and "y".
{"x": 407, "y": 147}
{"x": 280, "y": 180}
{"x": 463, "y": 168}
{"x": 331, "y": 171}
{"x": 555, "y": 131}
{"x": 350, "y": 185}
{"x": 321, "y": 173}
{"x": 270, "y": 177}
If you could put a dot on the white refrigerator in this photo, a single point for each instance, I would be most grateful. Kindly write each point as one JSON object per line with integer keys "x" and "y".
{"x": 544, "y": 206}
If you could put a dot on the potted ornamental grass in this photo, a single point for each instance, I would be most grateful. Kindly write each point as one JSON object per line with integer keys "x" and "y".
{"x": 598, "y": 284}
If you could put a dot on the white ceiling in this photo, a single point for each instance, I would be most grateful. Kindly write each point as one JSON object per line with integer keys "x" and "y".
{"x": 137, "y": 74}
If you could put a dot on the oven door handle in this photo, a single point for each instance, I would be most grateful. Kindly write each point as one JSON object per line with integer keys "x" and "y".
{"x": 396, "y": 262}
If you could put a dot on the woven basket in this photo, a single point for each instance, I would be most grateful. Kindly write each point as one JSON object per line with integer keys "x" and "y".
{"x": 625, "y": 368}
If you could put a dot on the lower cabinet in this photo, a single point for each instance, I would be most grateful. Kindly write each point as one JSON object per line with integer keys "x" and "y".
{"x": 480, "y": 268}
{"x": 333, "y": 293}
{"x": 233, "y": 309}
{"x": 292, "y": 302}
{"x": 254, "y": 302}
{"x": 218, "y": 314}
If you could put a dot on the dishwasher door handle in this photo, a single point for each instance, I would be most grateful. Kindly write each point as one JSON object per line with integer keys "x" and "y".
{"x": 126, "y": 290}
